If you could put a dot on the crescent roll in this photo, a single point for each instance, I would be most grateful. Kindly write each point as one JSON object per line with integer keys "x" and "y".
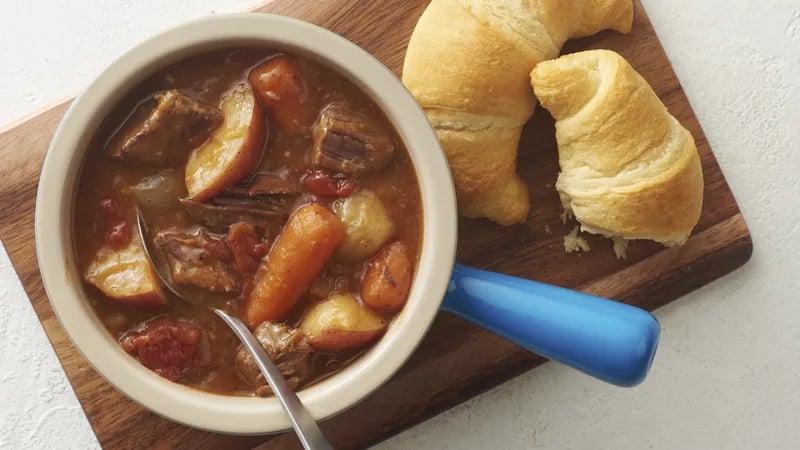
{"x": 468, "y": 65}
{"x": 628, "y": 168}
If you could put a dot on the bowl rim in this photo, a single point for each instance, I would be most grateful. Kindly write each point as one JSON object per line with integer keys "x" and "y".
{"x": 54, "y": 223}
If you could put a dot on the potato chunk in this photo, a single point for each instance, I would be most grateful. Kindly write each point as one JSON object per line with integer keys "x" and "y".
{"x": 126, "y": 275}
{"x": 367, "y": 223}
{"x": 233, "y": 150}
{"x": 341, "y": 322}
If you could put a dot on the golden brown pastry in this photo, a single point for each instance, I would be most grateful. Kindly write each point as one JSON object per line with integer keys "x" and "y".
{"x": 468, "y": 64}
{"x": 628, "y": 168}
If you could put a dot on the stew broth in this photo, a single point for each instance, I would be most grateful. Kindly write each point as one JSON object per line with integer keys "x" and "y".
{"x": 110, "y": 190}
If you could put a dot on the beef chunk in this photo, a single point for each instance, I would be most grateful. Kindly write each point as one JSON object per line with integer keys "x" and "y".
{"x": 275, "y": 183}
{"x": 265, "y": 184}
{"x": 348, "y": 141}
{"x": 200, "y": 260}
{"x": 288, "y": 347}
{"x": 163, "y": 130}
{"x": 223, "y": 212}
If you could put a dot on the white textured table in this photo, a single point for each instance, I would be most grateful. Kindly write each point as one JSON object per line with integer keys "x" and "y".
{"x": 727, "y": 372}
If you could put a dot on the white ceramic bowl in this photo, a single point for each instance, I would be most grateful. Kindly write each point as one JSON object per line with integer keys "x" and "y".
{"x": 54, "y": 212}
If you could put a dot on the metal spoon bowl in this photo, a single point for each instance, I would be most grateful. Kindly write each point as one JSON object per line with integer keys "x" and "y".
{"x": 304, "y": 425}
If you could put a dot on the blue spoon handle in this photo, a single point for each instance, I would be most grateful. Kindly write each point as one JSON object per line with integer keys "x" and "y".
{"x": 611, "y": 341}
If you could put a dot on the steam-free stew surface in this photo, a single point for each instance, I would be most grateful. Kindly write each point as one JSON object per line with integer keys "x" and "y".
{"x": 270, "y": 184}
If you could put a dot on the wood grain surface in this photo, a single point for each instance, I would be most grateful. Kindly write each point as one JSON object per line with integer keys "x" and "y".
{"x": 456, "y": 360}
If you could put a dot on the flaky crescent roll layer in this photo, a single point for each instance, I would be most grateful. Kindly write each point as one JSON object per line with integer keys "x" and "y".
{"x": 468, "y": 64}
{"x": 628, "y": 168}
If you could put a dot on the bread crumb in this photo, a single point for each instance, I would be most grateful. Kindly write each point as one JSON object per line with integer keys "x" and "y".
{"x": 564, "y": 216}
{"x": 620, "y": 247}
{"x": 574, "y": 243}
{"x": 547, "y": 230}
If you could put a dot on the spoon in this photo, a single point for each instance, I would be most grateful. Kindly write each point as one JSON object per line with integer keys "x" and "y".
{"x": 304, "y": 425}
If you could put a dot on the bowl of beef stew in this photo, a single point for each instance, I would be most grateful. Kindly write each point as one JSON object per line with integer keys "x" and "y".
{"x": 287, "y": 177}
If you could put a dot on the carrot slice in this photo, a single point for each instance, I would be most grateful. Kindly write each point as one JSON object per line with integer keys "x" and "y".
{"x": 297, "y": 257}
{"x": 280, "y": 86}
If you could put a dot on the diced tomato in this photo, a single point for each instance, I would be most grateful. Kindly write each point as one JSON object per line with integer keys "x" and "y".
{"x": 247, "y": 247}
{"x": 322, "y": 183}
{"x": 166, "y": 346}
{"x": 279, "y": 86}
{"x": 119, "y": 236}
{"x": 118, "y": 231}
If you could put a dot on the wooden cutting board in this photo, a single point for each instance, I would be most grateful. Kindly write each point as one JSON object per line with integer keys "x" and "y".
{"x": 456, "y": 361}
